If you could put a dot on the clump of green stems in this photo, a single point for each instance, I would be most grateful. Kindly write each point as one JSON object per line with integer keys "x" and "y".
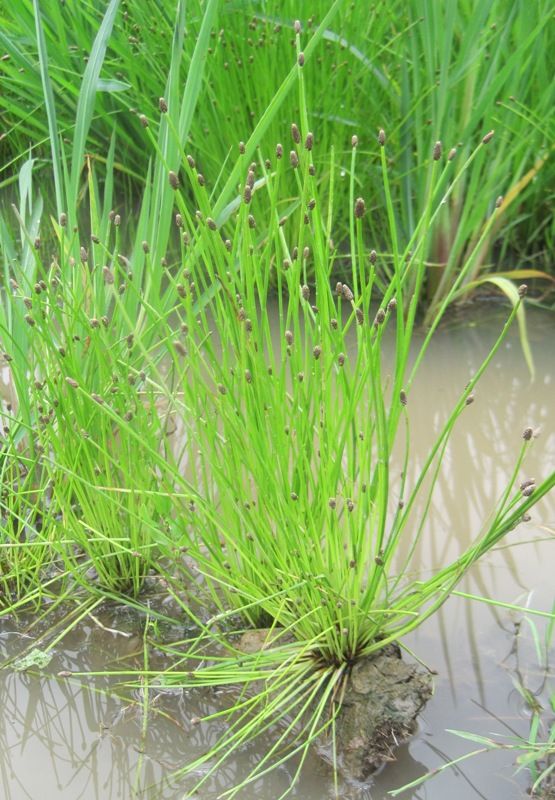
{"x": 282, "y": 492}
{"x": 279, "y": 484}
{"x": 423, "y": 70}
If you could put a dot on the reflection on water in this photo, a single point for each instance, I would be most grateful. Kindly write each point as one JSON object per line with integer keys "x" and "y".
{"x": 61, "y": 740}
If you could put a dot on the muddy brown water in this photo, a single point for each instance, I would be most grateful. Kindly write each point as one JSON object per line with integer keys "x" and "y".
{"x": 63, "y": 739}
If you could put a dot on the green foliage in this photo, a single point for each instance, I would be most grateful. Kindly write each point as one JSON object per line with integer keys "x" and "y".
{"x": 191, "y": 394}
{"x": 424, "y": 71}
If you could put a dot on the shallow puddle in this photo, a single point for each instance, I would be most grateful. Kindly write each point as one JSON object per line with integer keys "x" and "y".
{"x": 59, "y": 739}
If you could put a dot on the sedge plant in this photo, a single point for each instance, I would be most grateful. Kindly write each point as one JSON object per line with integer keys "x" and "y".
{"x": 291, "y": 406}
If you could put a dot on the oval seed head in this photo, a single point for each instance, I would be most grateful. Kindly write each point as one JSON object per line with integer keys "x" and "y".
{"x": 179, "y": 220}
{"x": 346, "y": 293}
{"x": 143, "y": 120}
{"x": 108, "y": 276}
{"x": 499, "y": 201}
{"x": 403, "y": 397}
{"x": 289, "y": 337}
{"x": 300, "y": 376}
{"x": 333, "y": 324}
{"x": 191, "y": 162}
{"x": 295, "y": 133}
{"x": 359, "y": 314}
{"x": 354, "y": 141}
{"x": 200, "y": 179}
{"x": 279, "y": 150}
{"x": 317, "y": 352}
{"x": 522, "y": 290}
{"x": 305, "y": 292}
{"x": 247, "y": 194}
{"x": 63, "y": 220}
{"x": 311, "y": 170}
{"x": 309, "y": 141}
{"x": 341, "y": 359}
{"x": 248, "y": 376}
{"x": 300, "y": 59}
{"x": 294, "y": 159}
{"x": 72, "y": 383}
{"x": 84, "y": 255}
{"x": 360, "y": 208}
{"x": 488, "y": 137}
{"x": 437, "y": 151}
{"x": 392, "y": 305}
{"x": 527, "y": 434}
{"x": 252, "y": 221}
{"x": 145, "y": 246}
{"x": 162, "y": 105}
{"x": 222, "y": 389}
{"x": 469, "y": 400}
{"x": 332, "y": 502}
{"x": 242, "y": 148}
{"x": 97, "y": 399}
{"x": 373, "y": 256}
{"x": 380, "y": 317}
{"x": 297, "y": 26}
{"x": 381, "y": 137}
{"x": 173, "y": 179}
{"x": 211, "y": 224}
{"x": 452, "y": 154}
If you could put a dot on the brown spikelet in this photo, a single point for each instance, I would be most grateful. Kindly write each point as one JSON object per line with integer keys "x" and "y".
{"x": 360, "y": 208}
{"x": 488, "y": 137}
{"x": 381, "y": 137}
{"x": 347, "y": 293}
{"x": 162, "y": 105}
{"x": 173, "y": 179}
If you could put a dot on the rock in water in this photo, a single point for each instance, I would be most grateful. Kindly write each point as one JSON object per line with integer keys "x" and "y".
{"x": 382, "y": 700}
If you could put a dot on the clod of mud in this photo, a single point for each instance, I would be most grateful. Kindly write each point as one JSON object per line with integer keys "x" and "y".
{"x": 382, "y": 700}
{"x": 547, "y": 789}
